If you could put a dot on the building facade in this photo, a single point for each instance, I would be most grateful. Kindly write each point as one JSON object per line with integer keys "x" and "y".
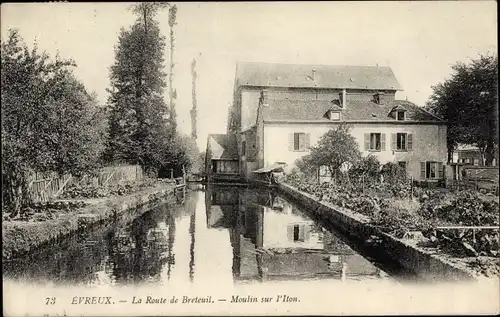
{"x": 279, "y": 111}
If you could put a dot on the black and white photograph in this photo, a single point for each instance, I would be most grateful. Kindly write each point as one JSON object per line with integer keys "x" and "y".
{"x": 250, "y": 158}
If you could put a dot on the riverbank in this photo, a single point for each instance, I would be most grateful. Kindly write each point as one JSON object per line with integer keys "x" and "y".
{"x": 21, "y": 237}
{"x": 429, "y": 263}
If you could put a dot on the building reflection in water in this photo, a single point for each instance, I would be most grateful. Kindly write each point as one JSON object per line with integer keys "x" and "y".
{"x": 274, "y": 240}
{"x": 220, "y": 235}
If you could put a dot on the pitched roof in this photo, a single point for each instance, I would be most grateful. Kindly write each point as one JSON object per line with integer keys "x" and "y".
{"x": 223, "y": 146}
{"x": 296, "y": 75}
{"x": 315, "y": 111}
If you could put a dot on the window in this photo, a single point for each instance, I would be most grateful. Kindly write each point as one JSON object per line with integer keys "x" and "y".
{"x": 243, "y": 147}
{"x": 298, "y": 141}
{"x": 375, "y": 141}
{"x": 334, "y": 115}
{"x": 431, "y": 170}
{"x": 298, "y": 234}
{"x": 401, "y": 141}
{"x": 400, "y": 115}
{"x": 476, "y": 162}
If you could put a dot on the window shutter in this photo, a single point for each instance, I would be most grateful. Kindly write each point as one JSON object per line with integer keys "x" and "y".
{"x": 393, "y": 141}
{"x": 440, "y": 170}
{"x": 422, "y": 170}
{"x": 290, "y": 141}
{"x": 289, "y": 231}
{"x": 308, "y": 141}
{"x": 382, "y": 142}
{"x": 367, "y": 141}
{"x": 410, "y": 142}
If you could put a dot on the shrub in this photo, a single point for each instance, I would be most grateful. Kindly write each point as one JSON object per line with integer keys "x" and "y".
{"x": 393, "y": 173}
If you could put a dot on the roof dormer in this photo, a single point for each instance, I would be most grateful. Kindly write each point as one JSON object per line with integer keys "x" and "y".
{"x": 398, "y": 113}
{"x": 333, "y": 114}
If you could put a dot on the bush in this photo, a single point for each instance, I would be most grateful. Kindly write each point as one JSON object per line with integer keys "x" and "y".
{"x": 368, "y": 167}
{"x": 393, "y": 173}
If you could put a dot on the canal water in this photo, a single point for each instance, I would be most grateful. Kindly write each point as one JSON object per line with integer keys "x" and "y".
{"x": 217, "y": 235}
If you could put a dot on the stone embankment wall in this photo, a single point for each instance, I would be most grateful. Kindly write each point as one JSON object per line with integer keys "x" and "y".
{"x": 20, "y": 237}
{"x": 424, "y": 263}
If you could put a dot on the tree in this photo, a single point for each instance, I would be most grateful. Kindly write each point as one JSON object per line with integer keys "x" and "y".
{"x": 139, "y": 128}
{"x": 172, "y": 21}
{"x": 368, "y": 166}
{"x": 193, "y": 95}
{"x": 335, "y": 149}
{"x": 468, "y": 101}
{"x": 49, "y": 121}
{"x": 393, "y": 173}
{"x": 189, "y": 154}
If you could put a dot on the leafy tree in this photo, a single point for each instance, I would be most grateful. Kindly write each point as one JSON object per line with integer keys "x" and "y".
{"x": 140, "y": 130}
{"x": 468, "y": 100}
{"x": 368, "y": 166}
{"x": 335, "y": 149}
{"x": 189, "y": 155}
{"x": 393, "y": 173}
{"x": 49, "y": 121}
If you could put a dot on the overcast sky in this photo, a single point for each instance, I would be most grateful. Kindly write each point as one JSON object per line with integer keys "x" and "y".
{"x": 418, "y": 40}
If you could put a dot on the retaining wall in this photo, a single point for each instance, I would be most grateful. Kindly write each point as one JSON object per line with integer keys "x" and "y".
{"x": 424, "y": 263}
{"x": 19, "y": 237}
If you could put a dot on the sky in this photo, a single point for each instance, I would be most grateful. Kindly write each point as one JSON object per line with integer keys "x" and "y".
{"x": 420, "y": 41}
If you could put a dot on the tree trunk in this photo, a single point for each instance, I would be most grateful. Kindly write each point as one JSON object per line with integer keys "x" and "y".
{"x": 18, "y": 193}
{"x": 489, "y": 153}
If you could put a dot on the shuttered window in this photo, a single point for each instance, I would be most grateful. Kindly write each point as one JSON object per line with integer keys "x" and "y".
{"x": 299, "y": 141}
{"x": 402, "y": 141}
{"x": 431, "y": 170}
{"x": 375, "y": 141}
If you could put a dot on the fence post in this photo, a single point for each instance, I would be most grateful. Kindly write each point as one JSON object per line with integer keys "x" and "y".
{"x": 411, "y": 187}
{"x": 477, "y": 186}
{"x": 184, "y": 174}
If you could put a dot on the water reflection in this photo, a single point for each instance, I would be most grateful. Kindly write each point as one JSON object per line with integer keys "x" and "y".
{"x": 219, "y": 235}
{"x": 273, "y": 239}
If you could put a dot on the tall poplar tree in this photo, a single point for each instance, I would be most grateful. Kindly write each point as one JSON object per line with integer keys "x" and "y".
{"x": 140, "y": 130}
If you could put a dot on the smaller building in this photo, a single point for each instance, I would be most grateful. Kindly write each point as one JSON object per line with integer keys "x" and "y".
{"x": 471, "y": 155}
{"x": 222, "y": 160}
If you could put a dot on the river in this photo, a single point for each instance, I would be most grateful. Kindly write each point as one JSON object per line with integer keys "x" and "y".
{"x": 218, "y": 235}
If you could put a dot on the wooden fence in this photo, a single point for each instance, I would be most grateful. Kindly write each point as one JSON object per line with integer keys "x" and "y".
{"x": 44, "y": 186}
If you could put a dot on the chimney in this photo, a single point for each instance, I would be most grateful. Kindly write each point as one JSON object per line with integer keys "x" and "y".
{"x": 314, "y": 74}
{"x": 343, "y": 98}
{"x": 380, "y": 98}
{"x": 264, "y": 97}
